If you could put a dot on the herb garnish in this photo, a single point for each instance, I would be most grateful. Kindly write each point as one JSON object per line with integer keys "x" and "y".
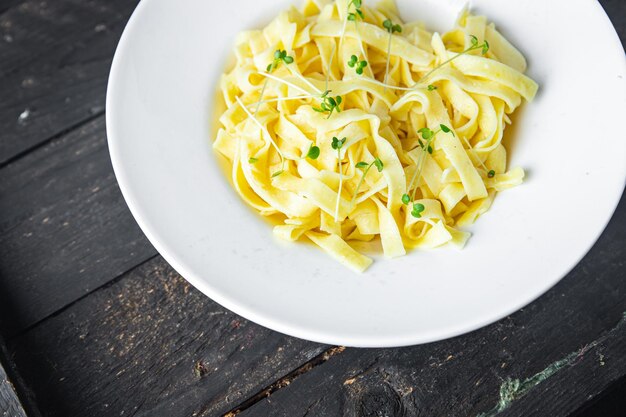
{"x": 365, "y": 167}
{"x": 329, "y": 104}
{"x": 337, "y": 144}
{"x": 356, "y": 64}
{"x": 391, "y": 28}
{"x": 264, "y": 129}
{"x": 484, "y": 47}
{"x": 279, "y": 56}
{"x": 418, "y": 208}
{"x": 428, "y": 136}
{"x": 313, "y": 153}
{"x": 353, "y": 17}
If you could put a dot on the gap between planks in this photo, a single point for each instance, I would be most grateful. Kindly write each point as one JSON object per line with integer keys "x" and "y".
{"x": 82, "y": 297}
{"x": 51, "y": 138}
{"x": 283, "y": 382}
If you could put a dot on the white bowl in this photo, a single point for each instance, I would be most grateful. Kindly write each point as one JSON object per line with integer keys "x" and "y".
{"x": 570, "y": 141}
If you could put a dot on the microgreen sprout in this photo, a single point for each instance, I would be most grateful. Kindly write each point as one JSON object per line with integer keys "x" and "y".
{"x": 252, "y": 160}
{"x": 474, "y": 45}
{"x": 418, "y": 208}
{"x": 428, "y": 136}
{"x": 358, "y": 13}
{"x": 279, "y": 56}
{"x": 350, "y": 16}
{"x": 428, "y": 148}
{"x": 337, "y": 144}
{"x": 264, "y": 130}
{"x": 329, "y": 104}
{"x": 431, "y": 87}
{"x": 356, "y": 64}
{"x": 313, "y": 153}
{"x": 391, "y": 28}
{"x": 365, "y": 167}
{"x": 490, "y": 173}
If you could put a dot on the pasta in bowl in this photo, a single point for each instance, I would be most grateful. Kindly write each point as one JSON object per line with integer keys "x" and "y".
{"x": 348, "y": 127}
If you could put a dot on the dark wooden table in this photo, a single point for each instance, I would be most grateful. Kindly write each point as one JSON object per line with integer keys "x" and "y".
{"x": 95, "y": 323}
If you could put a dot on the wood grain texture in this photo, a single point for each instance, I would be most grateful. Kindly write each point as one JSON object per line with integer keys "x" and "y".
{"x": 464, "y": 376}
{"x": 151, "y": 345}
{"x": 55, "y": 59}
{"x": 10, "y": 405}
{"x": 64, "y": 227}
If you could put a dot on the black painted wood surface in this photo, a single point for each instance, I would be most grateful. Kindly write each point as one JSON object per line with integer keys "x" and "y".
{"x": 96, "y": 323}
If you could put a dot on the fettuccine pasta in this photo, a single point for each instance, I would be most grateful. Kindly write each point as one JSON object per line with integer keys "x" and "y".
{"x": 347, "y": 126}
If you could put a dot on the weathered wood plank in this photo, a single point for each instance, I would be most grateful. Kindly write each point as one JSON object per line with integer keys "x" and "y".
{"x": 151, "y": 345}
{"x": 574, "y": 337}
{"x": 54, "y": 68}
{"x": 10, "y": 405}
{"x": 64, "y": 227}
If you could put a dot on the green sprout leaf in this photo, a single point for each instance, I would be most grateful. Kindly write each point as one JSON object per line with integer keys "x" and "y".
{"x": 253, "y": 160}
{"x": 378, "y": 164}
{"x": 338, "y": 143}
{"x": 357, "y": 8}
{"x": 426, "y": 133}
{"x": 313, "y": 153}
{"x": 353, "y": 60}
{"x": 279, "y": 56}
{"x": 406, "y": 199}
{"x": 473, "y": 40}
{"x": 391, "y": 28}
{"x": 418, "y": 208}
{"x": 446, "y": 129}
{"x": 365, "y": 167}
{"x": 485, "y": 47}
{"x": 431, "y": 87}
{"x": 277, "y": 173}
{"x": 491, "y": 173}
{"x": 329, "y": 104}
